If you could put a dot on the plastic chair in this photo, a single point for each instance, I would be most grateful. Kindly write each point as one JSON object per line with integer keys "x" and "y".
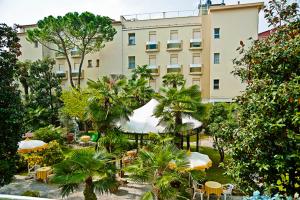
{"x": 227, "y": 190}
{"x": 198, "y": 189}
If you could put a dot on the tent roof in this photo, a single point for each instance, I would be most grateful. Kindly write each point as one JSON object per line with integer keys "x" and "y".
{"x": 143, "y": 120}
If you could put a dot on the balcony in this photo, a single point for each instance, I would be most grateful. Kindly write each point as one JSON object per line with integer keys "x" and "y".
{"x": 195, "y": 44}
{"x": 75, "y": 53}
{"x": 154, "y": 69}
{"x": 195, "y": 69}
{"x": 173, "y": 68}
{"x": 62, "y": 74}
{"x": 152, "y": 46}
{"x": 174, "y": 45}
{"x": 59, "y": 55}
{"x": 75, "y": 74}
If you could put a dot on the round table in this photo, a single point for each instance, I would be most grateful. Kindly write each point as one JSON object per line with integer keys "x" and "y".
{"x": 43, "y": 173}
{"x": 85, "y": 138}
{"x": 212, "y": 187}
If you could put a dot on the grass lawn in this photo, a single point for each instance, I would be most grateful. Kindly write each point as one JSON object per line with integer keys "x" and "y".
{"x": 193, "y": 138}
{"x": 215, "y": 173}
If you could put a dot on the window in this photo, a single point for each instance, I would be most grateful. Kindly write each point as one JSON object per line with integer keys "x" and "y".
{"x": 131, "y": 62}
{"x": 196, "y": 33}
{"x": 216, "y": 33}
{"x": 152, "y": 84}
{"x": 97, "y": 63}
{"x": 131, "y": 38}
{"x": 196, "y": 58}
{"x": 76, "y": 67}
{"x": 196, "y": 82}
{"x": 174, "y": 35}
{"x": 152, "y": 60}
{"x": 90, "y": 63}
{"x": 216, "y": 58}
{"x": 152, "y": 36}
{"x": 216, "y": 84}
{"x": 174, "y": 59}
{"x": 36, "y": 44}
{"x": 60, "y": 67}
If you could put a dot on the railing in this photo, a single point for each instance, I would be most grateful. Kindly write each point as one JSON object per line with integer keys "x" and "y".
{"x": 173, "y": 68}
{"x": 195, "y": 68}
{"x": 174, "y": 44}
{"x": 195, "y": 43}
{"x": 59, "y": 55}
{"x": 161, "y": 15}
{"x": 154, "y": 69}
{"x": 152, "y": 46}
{"x": 75, "y": 53}
{"x": 16, "y": 197}
{"x": 62, "y": 74}
{"x": 76, "y": 72}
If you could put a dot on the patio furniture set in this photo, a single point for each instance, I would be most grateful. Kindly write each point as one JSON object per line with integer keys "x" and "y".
{"x": 212, "y": 187}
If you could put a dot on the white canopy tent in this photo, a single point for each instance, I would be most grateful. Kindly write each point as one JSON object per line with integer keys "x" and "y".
{"x": 143, "y": 120}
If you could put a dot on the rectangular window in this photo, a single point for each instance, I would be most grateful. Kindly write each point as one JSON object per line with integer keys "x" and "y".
{"x": 152, "y": 84}
{"x": 216, "y": 84}
{"x": 196, "y": 33}
{"x": 196, "y": 82}
{"x": 216, "y": 58}
{"x": 97, "y": 63}
{"x": 36, "y": 44}
{"x": 174, "y": 35}
{"x": 76, "y": 67}
{"x": 216, "y": 33}
{"x": 173, "y": 59}
{"x": 131, "y": 38}
{"x": 152, "y": 59}
{"x": 196, "y": 58}
{"x": 60, "y": 67}
{"x": 152, "y": 36}
{"x": 90, "y": 63}
{"x": 131, "y": 62}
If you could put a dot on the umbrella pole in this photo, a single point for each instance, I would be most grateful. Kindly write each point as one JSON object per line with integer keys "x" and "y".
{"x": 197, "y": 142}
{"x": 188, "y": 141}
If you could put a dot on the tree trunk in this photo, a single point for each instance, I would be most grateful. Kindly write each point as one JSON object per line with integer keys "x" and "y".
{"x": 89, "y": 190}
{"x": 222, "y": 155}
{"x": 179, "y": 137}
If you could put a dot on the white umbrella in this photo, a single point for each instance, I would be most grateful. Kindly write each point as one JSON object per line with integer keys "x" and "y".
{"x": 199, "y": 161}
{"x": 27, "y": 146}
{"x": 143, "y": 120}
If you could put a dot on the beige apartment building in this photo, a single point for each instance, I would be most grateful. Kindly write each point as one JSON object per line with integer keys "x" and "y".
{"x": 200, "y": 44}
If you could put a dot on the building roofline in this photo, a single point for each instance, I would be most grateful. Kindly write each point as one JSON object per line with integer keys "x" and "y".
{"x": 258, "y": 5}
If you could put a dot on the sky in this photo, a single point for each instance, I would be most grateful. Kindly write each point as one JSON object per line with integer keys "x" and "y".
{"x": 30, "y": 11}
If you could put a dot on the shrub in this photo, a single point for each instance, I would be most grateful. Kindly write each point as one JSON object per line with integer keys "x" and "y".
{"x": 53, "y": 154}
{"x": 21, "y": 164}
{"x": 49, "y": 133}
{"x": 31, "y": 193}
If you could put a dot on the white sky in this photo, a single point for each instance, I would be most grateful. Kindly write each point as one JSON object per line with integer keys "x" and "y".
{"x": 30, "y": 11}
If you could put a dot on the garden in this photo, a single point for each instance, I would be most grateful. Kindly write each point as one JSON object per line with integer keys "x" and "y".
{"x": 85, "y": 140}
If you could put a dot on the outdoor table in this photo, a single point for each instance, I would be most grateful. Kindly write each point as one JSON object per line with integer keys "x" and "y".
{"x": 43, "y": 173}
{"x": 212, "y": 187}
{"x": 85, "y": 138}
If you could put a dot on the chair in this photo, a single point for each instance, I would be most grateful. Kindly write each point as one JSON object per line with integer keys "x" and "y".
{"x": 198, "y": 189}
{"x": 227, "y": 190}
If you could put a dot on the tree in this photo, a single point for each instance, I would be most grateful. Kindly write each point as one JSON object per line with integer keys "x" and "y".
{"x": 173, "y": 80}
{"x": 265, "y": 151}
{"x": 45, "y": 91}
{"x": 107, "y": 103}
{"x": 73, "y": 33}
{"x": 174, "y": 104}
{"x": 10, "y": 103}
{"x": 23, "y": 76}
{"x": 221, "y": 125}
{"x": 164, "y": 168}
{"x": 94, "y": 169}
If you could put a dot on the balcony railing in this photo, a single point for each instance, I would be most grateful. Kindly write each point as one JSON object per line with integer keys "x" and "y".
{"x": 154, "y": 69}
{"x": 152, "y": 46}
{"x": 76, "y": 72}
{"x": 75, "y": 53}
{"x": 59, "y": 55}
{"x": 195, "y": 68}
{"x": 62, "y": 74}
{"x": 195, "y": 44}
{"x": 173, "y": 68}
{"x": 174, "y": 45}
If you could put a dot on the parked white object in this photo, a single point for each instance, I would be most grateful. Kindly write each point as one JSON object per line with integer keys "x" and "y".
{"x": 199, "y": 161}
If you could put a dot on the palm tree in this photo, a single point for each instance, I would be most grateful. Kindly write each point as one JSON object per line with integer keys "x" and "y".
{"x": 174, "y": 104}
{"x": 94, "y": 169}
{"x": 173, "y": 80}
{"x": 164, "y": 168}
{"x": 141, "y": 72}
{"x": 108, "y": 103}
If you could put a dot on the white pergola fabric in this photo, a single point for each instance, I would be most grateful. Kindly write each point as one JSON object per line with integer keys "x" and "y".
{"x": 143, "y": 120}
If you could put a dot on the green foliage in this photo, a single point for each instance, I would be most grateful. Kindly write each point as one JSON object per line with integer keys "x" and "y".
{"x": 11, "y": 111}
{"x": 53, "y": 154}
{"x": 43, "y": 102}
{"x": 266, "y": 143}
{"x": 84, "y": 32}
{"x": 31, "y": 193}
{"x": 96, "y": 170}
{"x": 174, "y": 80}
{"x": 49, "y": 133}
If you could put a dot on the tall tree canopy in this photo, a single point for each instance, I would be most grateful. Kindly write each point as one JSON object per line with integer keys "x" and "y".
{"x": 80, "y": 33}
{"x": 10, "y": 103}
{"x": 265, "y": 151}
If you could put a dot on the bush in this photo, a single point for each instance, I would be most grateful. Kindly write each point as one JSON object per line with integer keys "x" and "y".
{"x": 31, "y": 193}
{"x": 49, "y": 133}
{"x": 21, "y": 164}
{"x": 53, "y": 154}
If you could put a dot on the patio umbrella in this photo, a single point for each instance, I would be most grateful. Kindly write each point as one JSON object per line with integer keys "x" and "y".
{"x": 27, "y": 146}
{"x": 199, "y": 161}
